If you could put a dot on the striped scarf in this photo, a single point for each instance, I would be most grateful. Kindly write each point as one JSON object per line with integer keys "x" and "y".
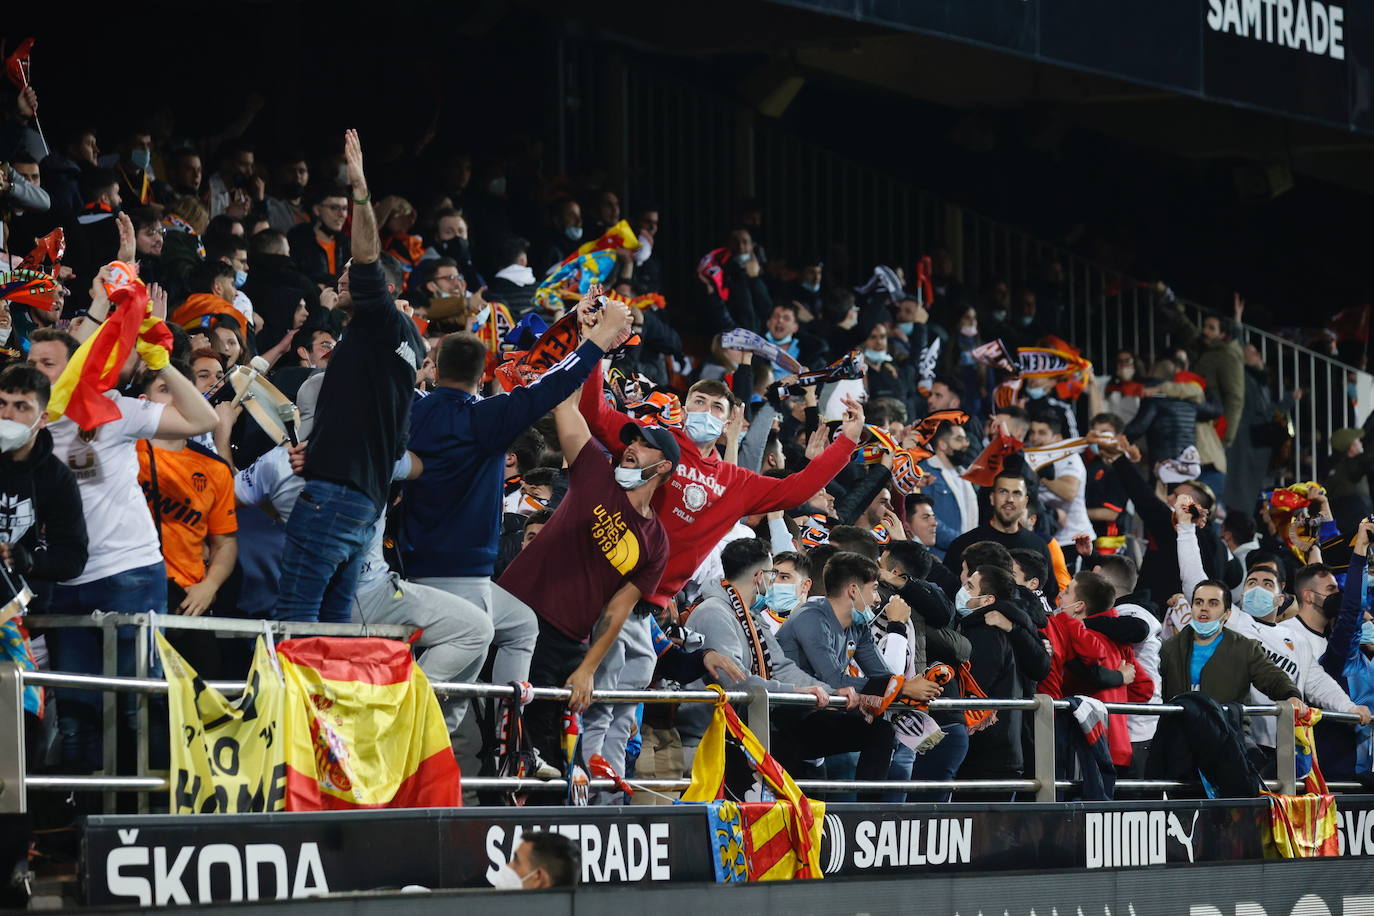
{"x": 762, "y": 663}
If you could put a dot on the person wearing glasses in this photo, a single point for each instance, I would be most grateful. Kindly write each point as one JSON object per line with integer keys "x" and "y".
{"x": 320, "y": 247}
{"x": 730, "y": 618}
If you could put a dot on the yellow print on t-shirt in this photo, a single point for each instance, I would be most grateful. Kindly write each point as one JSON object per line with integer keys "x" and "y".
{"x": 616, "y": 540}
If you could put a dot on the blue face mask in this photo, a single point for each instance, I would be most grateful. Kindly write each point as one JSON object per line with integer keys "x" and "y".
{"x": 1207, "y": 628}
{"x": 744, "y": 257}
{"x": 1367, "y": 633}
{"x": 574, "y": 233}
{"x": 1258, "y": 602}
{"x": 760, "y": 602}
{"x": 1351, "y": 391}
{"x": 863, "y": 617}
{"x": 878, "y": 356}
{"x": 906, "y": 327}
{"x": 811, "y": 287}
{"x": 781, "y": 598}
{"x": 703, "y": 428}
{"x": 1036, "y": 394}
{"x": 961, "y": 602}
{"x": 240, "y": 278}
{"x": 141, "y": 158}
{"x": 780, "y": 341}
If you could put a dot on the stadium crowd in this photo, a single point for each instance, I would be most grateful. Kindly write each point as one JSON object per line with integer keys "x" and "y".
{"x": 909, "y": 490}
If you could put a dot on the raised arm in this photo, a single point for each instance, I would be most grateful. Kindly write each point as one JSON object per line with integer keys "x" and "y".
{"x": 1190, "y": 568}
{"x": 366, "y": 245}
{"x": 189, "y": 414}
{"x": 770, "y": 494}
{"x": 1345, "y": 631}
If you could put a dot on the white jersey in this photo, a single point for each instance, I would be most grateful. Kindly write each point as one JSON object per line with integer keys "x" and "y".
{"x": 1294, "y": 657}
{"x": 105, "y": 464}
{"x": 1142, "y": 728}
{"x": 1076, "y": 519}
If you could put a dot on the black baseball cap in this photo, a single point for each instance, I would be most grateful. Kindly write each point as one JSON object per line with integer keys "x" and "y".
{"x": 657, "y": 437}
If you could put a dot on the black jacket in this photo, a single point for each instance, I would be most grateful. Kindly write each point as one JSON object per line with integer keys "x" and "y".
{"x": 275, "y": 284}
{"x": 310, "y": 258}
{"x": 996, "y": 750}
{"x": 40, "y": 512}
{"x": 516, "y": 298}
{"x": 1168, "y": 424}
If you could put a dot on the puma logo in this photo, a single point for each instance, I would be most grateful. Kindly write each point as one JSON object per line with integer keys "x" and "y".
{"x": 1175, "y": 830}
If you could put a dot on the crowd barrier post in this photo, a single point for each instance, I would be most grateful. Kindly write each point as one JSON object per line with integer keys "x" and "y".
{"x": 1044, "y": 748}
{"x": 13, "y": 798}
{"x": 760, "y": 716}
{"x": 1286, "y": 746}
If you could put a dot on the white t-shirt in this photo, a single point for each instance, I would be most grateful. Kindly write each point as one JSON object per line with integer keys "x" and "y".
{"x": 1076, "y": 519}
{"x": 269, "y": 481}
{"x": 1142, "y": 728}
{"x": 118, "y": 523}
{"x": 1292, "y": 655}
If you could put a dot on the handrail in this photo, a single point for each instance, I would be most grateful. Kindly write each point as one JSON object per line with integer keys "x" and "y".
{"x": 15, "y": 783}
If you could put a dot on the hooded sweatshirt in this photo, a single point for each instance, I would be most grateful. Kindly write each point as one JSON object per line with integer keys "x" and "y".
{"x": 40, "y": 511}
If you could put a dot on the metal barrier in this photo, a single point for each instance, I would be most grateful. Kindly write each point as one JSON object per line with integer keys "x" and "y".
{"x": 223, "y": 627}
{"x": 15, "y": 783}
{"x": 696, "y": 152}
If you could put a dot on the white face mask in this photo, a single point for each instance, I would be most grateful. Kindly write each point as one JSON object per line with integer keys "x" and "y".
{"x": 506, "y": 879}
{"x": 645, "y": 249}
{"x": 631, "y": 478}
{"x": 14, "y": 434}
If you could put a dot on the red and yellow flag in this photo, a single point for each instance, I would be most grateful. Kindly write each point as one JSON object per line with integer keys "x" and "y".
{"x": 781, "y": 837}
{"x": 94, "y": 369}
{"x": 363, "y": 728}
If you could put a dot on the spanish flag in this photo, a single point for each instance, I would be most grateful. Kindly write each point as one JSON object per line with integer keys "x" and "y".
{"x": 363, "y": 728}
{"x": 94, "y": 369}
{"x": 777, "y": 839}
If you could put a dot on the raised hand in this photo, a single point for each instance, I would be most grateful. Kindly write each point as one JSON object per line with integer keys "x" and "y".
{"x": 353, "y": 159}
{"x": 127, "y": 244}
{"x": 852, "y": 424}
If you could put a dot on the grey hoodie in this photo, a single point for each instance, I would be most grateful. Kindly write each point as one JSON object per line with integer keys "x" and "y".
{"x": 714, "y": 619}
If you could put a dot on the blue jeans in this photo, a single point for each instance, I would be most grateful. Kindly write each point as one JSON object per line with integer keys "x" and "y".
{"x": 940, "y": 762}
{"x": 327, "y": 537}
{"x": 78, "y": 650}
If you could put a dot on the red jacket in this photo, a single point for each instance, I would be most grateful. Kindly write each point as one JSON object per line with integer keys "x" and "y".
{"x": 1138, "y": 691}
{"x": 1069, "y": 639}
{"x": 705, "y": 497}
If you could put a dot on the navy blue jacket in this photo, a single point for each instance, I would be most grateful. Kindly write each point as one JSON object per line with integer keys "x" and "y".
{"x": 452, "y": 512}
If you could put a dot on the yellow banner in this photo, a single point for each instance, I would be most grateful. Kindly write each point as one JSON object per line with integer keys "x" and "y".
{"x": 226, "y": 757}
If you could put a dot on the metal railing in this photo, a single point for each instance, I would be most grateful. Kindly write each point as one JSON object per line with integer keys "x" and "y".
{"x": 1106, "y": 310}
{"x": 15, "y": 782}
{"x": 110, "y": 623}
{"x": 696, "y": 153}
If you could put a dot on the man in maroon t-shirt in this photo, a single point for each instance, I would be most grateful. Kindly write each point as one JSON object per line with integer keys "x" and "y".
{"x": 587, "y": 568}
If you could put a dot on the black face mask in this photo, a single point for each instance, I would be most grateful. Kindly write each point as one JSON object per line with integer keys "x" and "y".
{"x": 455, "y": 248}
{"x": 326, "y": 230}
{"x": 292, "y": 190}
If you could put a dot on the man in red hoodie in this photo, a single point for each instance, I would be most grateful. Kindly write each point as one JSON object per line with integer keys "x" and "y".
{"x": 698, "y": 504}
{"x": 1116, "y": 680}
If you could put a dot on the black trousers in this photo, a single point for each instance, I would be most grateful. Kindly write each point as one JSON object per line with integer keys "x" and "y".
{"x": 823, "y": 732}
{"x": 555, "y": 658}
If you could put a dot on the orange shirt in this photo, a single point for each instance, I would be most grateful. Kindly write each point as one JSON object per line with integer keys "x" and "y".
{"x": 196, "y": 491}
{"x": 330, "y": 247}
